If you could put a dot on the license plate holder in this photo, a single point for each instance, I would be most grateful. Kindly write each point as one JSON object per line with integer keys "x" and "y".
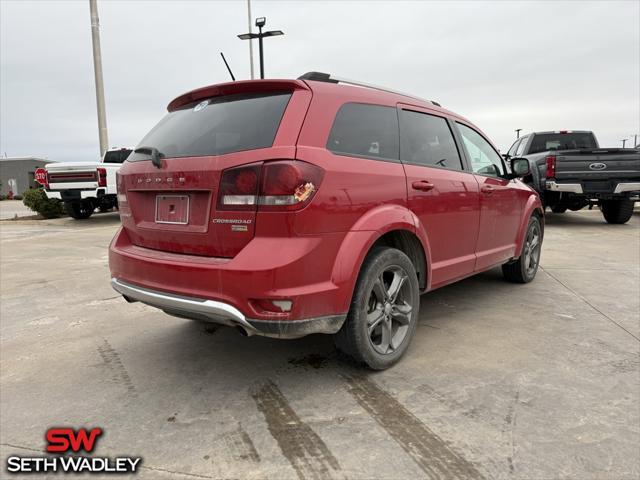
{"x": 172, "y": 209}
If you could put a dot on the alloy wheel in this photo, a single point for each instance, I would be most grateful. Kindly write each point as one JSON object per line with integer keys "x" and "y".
{"x": 389, "y": 310}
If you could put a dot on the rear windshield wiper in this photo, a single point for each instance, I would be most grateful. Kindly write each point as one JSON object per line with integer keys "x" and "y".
{"x": 153, "y": 153}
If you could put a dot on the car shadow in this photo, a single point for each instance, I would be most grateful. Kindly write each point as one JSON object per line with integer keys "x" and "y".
{"x": 212, "y": 350}
{"x": 594, "y": 220}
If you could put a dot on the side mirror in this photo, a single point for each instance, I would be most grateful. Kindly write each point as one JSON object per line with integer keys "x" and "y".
{"x": 520, "y": 167}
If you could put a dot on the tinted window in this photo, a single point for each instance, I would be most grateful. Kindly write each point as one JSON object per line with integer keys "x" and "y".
{"x": 365, "y": 131}
{"x": 561, "y": 141}
{"x": 484, "y": 159}
{"x": 427, "y": 140}
{"x": 116, "y": 156}
{"x": 220, "y": 125}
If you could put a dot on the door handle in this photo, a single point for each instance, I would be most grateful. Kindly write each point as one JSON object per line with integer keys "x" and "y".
{"x": 423, "y": 185}
{"x": 488, "y": 189}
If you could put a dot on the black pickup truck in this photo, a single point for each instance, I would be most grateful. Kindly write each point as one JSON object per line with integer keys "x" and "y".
{"x": 570, "y": 171}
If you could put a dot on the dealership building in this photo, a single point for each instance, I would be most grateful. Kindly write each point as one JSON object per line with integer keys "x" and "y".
{"x": 17, "y": 174}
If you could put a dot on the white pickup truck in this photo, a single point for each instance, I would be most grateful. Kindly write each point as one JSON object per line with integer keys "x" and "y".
{"x": 85, "y": 186}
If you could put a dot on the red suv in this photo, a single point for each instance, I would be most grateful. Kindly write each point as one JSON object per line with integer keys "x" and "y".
{"x": 316, "y": 205}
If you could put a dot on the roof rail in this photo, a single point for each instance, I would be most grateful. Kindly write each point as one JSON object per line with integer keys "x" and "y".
{"x": 326, "y": 77}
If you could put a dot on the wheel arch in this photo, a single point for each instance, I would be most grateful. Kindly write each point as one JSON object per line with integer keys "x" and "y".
{"x": 533, "y": 207}
{"x": 394, "y": 226}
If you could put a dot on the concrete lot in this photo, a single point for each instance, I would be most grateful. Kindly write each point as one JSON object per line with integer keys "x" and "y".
{"x": 13, "y": 208}
{"x": 502, "y": 380}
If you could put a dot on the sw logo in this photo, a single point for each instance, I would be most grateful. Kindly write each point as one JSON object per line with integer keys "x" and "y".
{"x": 62, "y": 444}
{"x": 65, "y": 439}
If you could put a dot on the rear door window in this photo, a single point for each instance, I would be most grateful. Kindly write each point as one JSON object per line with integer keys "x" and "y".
{"x": 364, "y": 130}
{"x": 217, "y": 126}
{"x": 427, "y": 140}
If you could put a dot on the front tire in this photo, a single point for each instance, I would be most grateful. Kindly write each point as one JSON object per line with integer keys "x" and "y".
{"x": 617, "y": 211}
{"x": 524, "y": 269}
{"x": 80, "y": 209}
{"x": 384, "y": 310}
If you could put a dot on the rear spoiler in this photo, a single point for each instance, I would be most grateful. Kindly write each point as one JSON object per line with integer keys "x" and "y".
{"x": 245, "y": 86}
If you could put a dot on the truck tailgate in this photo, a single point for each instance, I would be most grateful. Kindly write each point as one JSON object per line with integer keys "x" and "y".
{"x": 598, "y": 171}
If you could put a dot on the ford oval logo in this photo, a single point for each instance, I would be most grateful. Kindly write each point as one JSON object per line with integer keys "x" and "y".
{"x": 597, "y": 166}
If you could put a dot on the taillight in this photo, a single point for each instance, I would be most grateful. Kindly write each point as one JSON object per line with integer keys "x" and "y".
{"x": 551, "y": 166}
{"x": 288, "y": 185}
{"x": 271, "y": 186}
{"x": 102, "y": 177}
{"x": 239, "y": 188}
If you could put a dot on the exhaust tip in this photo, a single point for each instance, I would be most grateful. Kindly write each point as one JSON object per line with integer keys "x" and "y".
{"x": 242, "y": 331}
{"x": 129, "y": 299}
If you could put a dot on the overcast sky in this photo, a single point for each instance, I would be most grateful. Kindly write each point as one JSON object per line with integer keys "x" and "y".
{"x": 532, "y": 65}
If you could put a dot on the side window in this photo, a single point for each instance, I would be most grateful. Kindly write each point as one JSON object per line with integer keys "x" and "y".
{"x": 427, "y": 140}
{"x": 484, "y": 159}
{"x": 514, "y": 147}
{"x": 520, "y": 149}
{"x": 364, "y": 130}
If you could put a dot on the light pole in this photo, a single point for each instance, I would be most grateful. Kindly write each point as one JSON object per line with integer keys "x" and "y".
{"x": 97, "y": 70}
{"x": 518, "y": 133}
{"x": 624, "y": 140}
{"x": 260, "y": 22}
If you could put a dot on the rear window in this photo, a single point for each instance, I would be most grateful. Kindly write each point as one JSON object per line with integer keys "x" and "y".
{"x": 561, "y": 141}
{"x": 116, "y": 156}
{"x": 216, "y": 126}
{"x": 364, "y": 130}
{"x": 427, "y": 140}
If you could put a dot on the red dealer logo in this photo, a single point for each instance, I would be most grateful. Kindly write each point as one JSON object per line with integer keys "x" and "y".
{"x": 62, "y": 440}
{"x": 71, "y": 451}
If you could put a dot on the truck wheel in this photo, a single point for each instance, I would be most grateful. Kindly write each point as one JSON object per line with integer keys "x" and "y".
{"x": 384, "y": 310}
{"x": 80, "y": 209}
{"x": 559, "y": 209}
{"x": 617, "y": 211}
{"x": 524, "y": 269}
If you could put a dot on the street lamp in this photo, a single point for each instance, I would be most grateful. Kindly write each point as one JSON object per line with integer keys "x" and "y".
{"x": 260, "y": 22}
{"x": 518, "y": 133}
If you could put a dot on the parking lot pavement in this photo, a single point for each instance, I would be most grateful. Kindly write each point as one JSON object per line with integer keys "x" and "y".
{"x": 14, "y": 208}
{"x": 502, "y": 380}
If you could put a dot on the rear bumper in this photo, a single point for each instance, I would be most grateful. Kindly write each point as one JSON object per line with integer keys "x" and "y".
{"x": 225, "y": 314}
{"x": 232, "y": 291}
{"x": 627, "y": 187}
{"x": 620, "y": 188}
{"x": 563, "y": 187}
{"x": 75, "y": 194}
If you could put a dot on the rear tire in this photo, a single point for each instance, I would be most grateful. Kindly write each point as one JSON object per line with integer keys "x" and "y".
{"x": 384, "y": 310}
{"x": 617, "y": 211}
{"x": 79, "y": 209}
{"x": 559, "y": 209}
{"x": 524, "y": 269}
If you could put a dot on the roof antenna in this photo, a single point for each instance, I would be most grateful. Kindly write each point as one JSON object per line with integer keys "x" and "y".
{"x": 227, "y": 65}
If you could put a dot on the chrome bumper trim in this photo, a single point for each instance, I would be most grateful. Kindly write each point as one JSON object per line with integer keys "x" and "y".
{"x": 218, "y": 312}
{"x": 225, "y": 314}
{"x": 627, "y": 187}
{"x": 563, "y": 187}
